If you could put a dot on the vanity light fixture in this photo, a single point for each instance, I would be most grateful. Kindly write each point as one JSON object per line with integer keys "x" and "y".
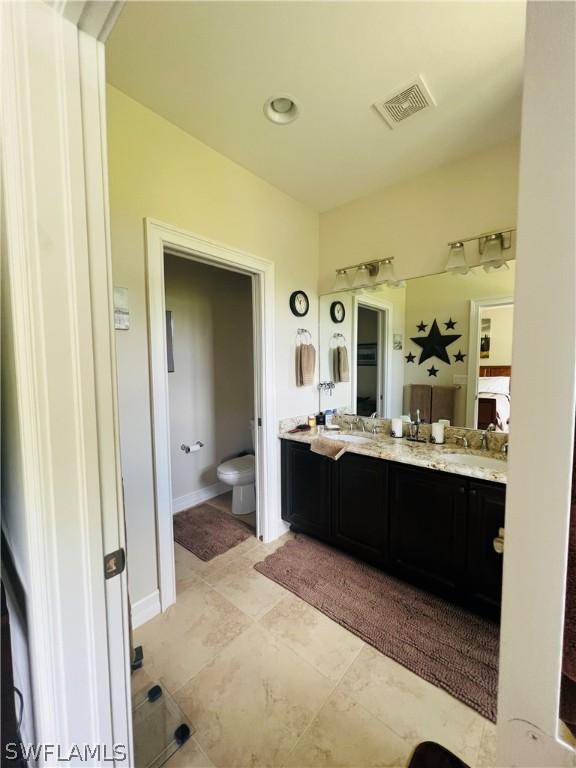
{"x": 362, "y": 276}
{"x": 371, "y": 274}
{"x": 490, "y": 249}
{"x": 457, "y": 259}
{"x": 491, "y": 246}
{"x": 342, "y": 282}
{"x": 386, "y": 271}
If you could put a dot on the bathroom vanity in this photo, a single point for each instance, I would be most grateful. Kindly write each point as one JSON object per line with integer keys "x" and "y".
{"x": 437, "y": 529}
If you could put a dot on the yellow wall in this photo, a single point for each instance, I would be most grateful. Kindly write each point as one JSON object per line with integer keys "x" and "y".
{"x": 414, "y": 220}
{"x": 158, "y": 171}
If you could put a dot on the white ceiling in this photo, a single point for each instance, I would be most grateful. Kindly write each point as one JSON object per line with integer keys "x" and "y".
{"x": 208, "y": 67}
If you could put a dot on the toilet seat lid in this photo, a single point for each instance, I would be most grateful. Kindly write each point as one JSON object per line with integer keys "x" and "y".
{"x": 239, "y": 466}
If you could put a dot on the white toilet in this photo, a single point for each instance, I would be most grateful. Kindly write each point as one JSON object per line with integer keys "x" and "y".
{"x": 240, "y": 473}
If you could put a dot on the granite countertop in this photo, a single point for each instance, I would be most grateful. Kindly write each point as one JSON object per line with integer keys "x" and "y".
{"x": 425, "y": 455}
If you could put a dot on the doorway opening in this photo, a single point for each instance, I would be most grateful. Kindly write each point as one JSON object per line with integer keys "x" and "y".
{"x": 210, "y": 364}
{"x": 372, "y": 358}
{"x": 196, "y": 458}
{"x": 490, "y": 365}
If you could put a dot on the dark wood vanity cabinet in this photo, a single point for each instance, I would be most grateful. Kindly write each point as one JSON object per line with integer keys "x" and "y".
{"x": 432, "y": 528}
{"x": 306, "y": 489}
{"x": 428, "y": 527}
{"x": 359, "y": 511}
{"x": 486, "y": 518}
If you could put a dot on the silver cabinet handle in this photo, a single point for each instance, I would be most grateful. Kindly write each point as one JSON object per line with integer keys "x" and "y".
{"x": 498, "y": 542}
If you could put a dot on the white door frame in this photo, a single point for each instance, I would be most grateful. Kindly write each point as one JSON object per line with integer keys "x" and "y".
{"x": 63, "y": 429}
{"x": 476, "y": 307}
{"x": 384, "y": 387}
{"x": 159, "y": 239}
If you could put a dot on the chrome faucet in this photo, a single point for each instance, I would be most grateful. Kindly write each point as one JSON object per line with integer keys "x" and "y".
{"x": 489, "y": 428}
{"x": 357, "y": 421}
{"x": 463, "y": 438}
{"x": 504, "y": 449}
{"x": 374, "y": 428}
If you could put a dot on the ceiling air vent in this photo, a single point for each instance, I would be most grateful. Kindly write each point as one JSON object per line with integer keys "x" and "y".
{"x": 404, "y": 103}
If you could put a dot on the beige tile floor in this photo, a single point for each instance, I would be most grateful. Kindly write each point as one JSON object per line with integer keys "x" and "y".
{"x": 267, "y": 680}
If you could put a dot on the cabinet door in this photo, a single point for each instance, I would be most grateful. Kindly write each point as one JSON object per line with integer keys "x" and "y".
{"x": 486, "y": 517}
{"x": 306, "y": 489}
{"x": 360, "y": 506}
{"x": 427, "y": 534}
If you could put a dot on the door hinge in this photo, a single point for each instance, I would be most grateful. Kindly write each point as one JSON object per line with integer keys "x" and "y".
{"x": 114, "y": 563}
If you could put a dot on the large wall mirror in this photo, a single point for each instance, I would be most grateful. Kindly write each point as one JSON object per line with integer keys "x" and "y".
{"x": 441, "y": 344}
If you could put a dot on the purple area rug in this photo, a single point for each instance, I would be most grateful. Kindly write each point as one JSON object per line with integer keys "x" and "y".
{"x": 207, "y": 531}
{"x": 446, "y": 645}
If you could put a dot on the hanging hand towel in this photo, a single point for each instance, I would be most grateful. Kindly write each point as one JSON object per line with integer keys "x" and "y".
{"x": 343, "y": 367}
{"x": 307, "y": 365}
{"x": 298, "y": 362}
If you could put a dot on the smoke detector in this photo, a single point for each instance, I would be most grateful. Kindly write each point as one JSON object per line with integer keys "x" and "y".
{"x": 405, "y": 102}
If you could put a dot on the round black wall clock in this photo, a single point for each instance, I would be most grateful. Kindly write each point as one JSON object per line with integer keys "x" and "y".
{"x": 337, "y": 311}
{"x": 299, "y": 303}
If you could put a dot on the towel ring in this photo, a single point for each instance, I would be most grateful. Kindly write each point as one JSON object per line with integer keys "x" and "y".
{"x": 339, "y": 340}
{"x": 303, "y": 336}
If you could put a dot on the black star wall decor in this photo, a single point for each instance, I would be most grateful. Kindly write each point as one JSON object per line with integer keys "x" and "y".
{"x": 422, "y": 326}
{"x": 451, "y": 324}
{"x": 410, "y": 357}
{"x": 434, "y": 345}
{"x": 432, "y": 371}
{"x": 459, "y": 357}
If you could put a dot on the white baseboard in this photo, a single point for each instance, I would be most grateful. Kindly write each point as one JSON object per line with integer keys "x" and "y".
{"x": 198, "y": 497}
{"x": 146, "y": 609}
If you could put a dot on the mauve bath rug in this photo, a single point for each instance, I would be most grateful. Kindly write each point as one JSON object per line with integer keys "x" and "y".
{"x": 446, "y": 645}
{"x": 207, "y": 531}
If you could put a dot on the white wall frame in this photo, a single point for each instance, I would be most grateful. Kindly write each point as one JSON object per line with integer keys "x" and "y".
{"x": 476, "y": 307}
{"x": 544, "y": 381}
{"x": 159, "y": 239}
{"x": 384, "y": 351}
{"x": 58, "y": 260}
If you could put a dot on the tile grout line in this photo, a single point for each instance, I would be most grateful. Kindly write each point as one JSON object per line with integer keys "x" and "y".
{"x": 325, "y": 702}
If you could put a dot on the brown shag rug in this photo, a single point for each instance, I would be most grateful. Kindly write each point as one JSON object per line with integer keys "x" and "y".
{"x": 446, "y": 645}
{"x": 207, "y": 531}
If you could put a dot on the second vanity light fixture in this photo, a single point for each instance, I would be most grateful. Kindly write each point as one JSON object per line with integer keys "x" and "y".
{"x": 490, "y": 247}
{"x": 369, "y": 274}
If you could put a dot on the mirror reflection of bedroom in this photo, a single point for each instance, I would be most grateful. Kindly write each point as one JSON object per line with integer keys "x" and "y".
{"x": 495, "y": 369}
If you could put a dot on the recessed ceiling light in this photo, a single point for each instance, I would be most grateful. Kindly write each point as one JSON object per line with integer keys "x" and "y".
{"x": 281, "y": 110}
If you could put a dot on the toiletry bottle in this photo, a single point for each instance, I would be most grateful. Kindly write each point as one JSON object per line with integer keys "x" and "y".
{"x": 328, "y": 417}
{"x": 312, "y": 421}
{"x": 320, "y": 420}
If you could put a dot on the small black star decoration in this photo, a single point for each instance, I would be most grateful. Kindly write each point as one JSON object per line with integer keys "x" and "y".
{"x": 451, "y": 324}
{"x": 434, "y": 345}
{"x": 421, "y": 326}
{"x": 459, "y": 358}
{"x": 410, "y": 357}
{"x": 432, "y": 371}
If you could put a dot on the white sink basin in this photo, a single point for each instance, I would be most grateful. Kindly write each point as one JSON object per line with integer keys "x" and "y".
{"x": 485, "y": 462}
{"x": 346, "y": 438}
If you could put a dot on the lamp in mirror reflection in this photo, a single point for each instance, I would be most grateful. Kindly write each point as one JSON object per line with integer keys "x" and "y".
{"x": 457, "y": 259}
{"x": 342, "y": 281}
